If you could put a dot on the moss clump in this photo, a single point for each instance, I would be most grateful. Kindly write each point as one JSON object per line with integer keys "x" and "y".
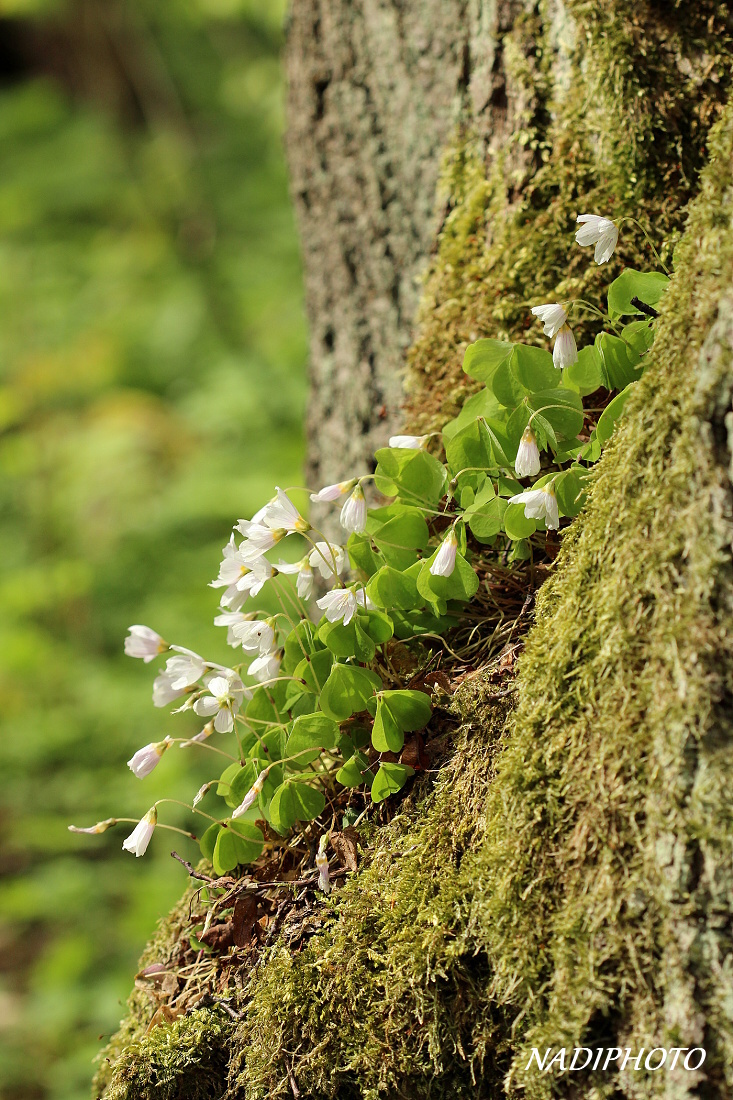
{"x": 147, "y": 1060}
{"x": 185, "y": 1060}
{"x": 388, "y": 1001}
{"x": 625, "y": 134}
{"x": 603, "y": 893}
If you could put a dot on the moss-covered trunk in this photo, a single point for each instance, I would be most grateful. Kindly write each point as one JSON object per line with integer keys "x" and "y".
{"x": 568, "y": 879}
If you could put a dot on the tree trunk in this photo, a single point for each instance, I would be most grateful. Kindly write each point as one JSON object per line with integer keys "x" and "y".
{"x": 568, "y": 879}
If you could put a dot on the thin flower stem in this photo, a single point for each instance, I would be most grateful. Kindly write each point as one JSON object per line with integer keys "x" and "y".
{"x": 333, "y": 564}
{"x": 186, "y": 742}
{"x": 186, "y": 806}
{"x": 599, "y": 312}
{"x": 650, "y": 242}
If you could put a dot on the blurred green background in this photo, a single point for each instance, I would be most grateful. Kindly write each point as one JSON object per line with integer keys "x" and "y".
{"x": 152, "y": 381}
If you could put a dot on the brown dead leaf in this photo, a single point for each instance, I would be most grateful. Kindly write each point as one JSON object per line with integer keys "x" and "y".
{"x": 414, "y": 755}
{"x": 345, "y": 846}
{"x": 433, "y": 681}
{"x": 219, "y": 937}
{"x": 244, "y": 919}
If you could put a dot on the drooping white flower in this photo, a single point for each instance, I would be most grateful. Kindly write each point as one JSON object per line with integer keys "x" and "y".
{"x": 304, "y": 575}
{"x": 223, "y": 701}
{"x": 601, "y": 232}
{"x": 527, "y": 463}
{"x": 282, "y": 515}
{"x": 93, "y": 830}
{"x": 144, "y": 642}
{"x": 540, "y": 504}
{"x": 565, "y": 351}
{"x": 180, "y": 673}
{"x": 552, "y": 316}
{"x": 339, "y": 605}
{"x": 324, "y": 883}
{"x": 139, "y": 838}
{"x": 445, "y": 560}
{"x": 354, "y": 512}
{"x": 255, "y": 636}
{"x": 230, "y": 619}
{"x": 330, "y": 560}
{"x": 148, "y": 757}
{"x": 333, "y": 492}
{"x": 265, "y": 667}
{"x": 251, "y": 796}
{"x": 408, "y": 442}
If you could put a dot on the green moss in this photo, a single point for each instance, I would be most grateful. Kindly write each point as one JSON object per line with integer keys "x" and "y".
{"x": 387, "y": 1001}
{"x": 146, "y": 1060}
{"x": 625, "y": 134}
{"x": 603, "y": 892}
{"x": 185, "y": 1060}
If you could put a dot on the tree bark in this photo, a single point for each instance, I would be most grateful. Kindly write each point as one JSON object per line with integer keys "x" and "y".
{"x": 376, "y": 92}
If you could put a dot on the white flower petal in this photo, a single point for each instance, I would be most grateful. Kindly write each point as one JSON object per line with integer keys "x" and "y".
{"x": 408, "y": 442}
{"x": 565, "y": 352}
{"x": 553, "y": 317}
{"x": 444, "y": 561}
{"x": 354, "y": 512}
{"x": 138, "y": 840}
{"x": 527, "y": 463}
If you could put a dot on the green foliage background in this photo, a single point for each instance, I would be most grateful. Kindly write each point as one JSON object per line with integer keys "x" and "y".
{"x": 151, "y": 390}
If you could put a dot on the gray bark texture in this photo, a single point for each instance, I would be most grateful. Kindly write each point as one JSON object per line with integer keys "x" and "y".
{"x": 376, "y": 91}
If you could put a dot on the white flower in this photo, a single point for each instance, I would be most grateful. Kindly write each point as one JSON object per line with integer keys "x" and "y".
{"x": 255, "y": 636}
{"x": 241, "y": 576}
{"x": 265, "y": 667}
{"x": 304, "y": 571}
{"x": 224, "y": 700}
{"x": 408, "y": 442}
{"x": 92, "y": 830}
{"x": 601, "y": 232}
{"x": 553, "y": 317}
{"x": 139, "y": 838}
{"x": 259, "y": 540}
{"x": 354, "y": 512}
{"x": 328, "y": 560}
{"x": 147, "y": 758}
{"x": 565, "y": 352}
{"x": 144, "y": 642}
{"x": 527, "y": 463}
{"x": 333, "y": 492}
{"x": 540, "y": 504}
{"x": 282, "y": 515}
{"x": 339, "y": 604}
{"x": 180, "y": 673}
{"x": 323, "y": 875}
{"x": 251, "y": 796}
{"x": 230, "y": 619}
{"x": 444, "y": 561}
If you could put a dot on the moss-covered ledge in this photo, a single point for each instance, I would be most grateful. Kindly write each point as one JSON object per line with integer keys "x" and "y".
{"x": 385, "y": 991}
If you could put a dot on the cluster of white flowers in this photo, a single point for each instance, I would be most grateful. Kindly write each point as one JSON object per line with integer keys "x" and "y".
{"x": 216, "y": 692}
{"x": 542, "y": 503}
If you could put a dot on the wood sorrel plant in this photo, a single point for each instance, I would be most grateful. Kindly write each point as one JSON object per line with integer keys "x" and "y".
{"x": 308, "y": 711}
